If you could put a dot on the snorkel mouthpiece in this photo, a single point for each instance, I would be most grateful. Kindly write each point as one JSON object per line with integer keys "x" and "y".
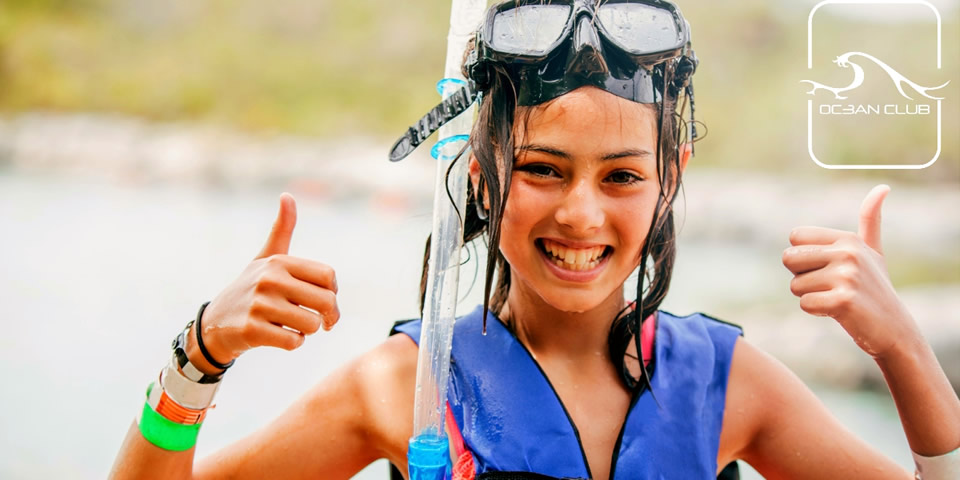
{"x": 427, "y": 457}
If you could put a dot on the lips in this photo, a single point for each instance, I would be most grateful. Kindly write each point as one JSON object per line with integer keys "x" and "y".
{"x": 573, "y": 259}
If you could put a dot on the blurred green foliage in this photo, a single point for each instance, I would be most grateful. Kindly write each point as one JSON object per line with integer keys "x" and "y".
{"x": 319, "y": 68}
{"x": 326, "y": 68}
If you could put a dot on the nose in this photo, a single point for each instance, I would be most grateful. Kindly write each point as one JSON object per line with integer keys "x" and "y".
{"x": 581, "y": 210}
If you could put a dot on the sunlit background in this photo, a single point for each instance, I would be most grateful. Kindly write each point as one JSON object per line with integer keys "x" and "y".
{"x": 143, "y": 146}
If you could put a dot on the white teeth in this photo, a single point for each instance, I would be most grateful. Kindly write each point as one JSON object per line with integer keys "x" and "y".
{"x": 575, "y": 259}
{"x": 581, "y": 257}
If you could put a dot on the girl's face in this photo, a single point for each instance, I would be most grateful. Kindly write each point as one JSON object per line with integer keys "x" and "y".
{"x": 583, "y": 193}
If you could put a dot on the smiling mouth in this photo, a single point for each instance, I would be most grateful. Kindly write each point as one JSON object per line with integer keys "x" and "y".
{"x": 573, "y": 259}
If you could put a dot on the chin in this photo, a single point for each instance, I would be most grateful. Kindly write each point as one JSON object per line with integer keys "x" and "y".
{"x": 574, "y": 302}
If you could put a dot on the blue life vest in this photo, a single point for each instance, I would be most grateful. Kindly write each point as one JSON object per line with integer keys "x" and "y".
{"x": 512, "y": 420}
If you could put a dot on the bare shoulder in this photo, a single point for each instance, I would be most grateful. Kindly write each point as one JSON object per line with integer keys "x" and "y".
{"x": 386, "y": 377}
{"x": 776, "y": 424}
{"x": 362, "y": 412}
{"x": 740, "y": 421}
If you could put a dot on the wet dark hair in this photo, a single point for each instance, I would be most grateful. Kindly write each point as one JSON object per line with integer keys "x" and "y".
{"x": 492, "y": 143}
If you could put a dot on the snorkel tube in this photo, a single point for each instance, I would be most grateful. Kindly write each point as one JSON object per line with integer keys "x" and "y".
{"x": 428, "y": 453}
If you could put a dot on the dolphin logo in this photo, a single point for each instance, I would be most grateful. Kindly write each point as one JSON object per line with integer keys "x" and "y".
{"x": 898, "y": 79}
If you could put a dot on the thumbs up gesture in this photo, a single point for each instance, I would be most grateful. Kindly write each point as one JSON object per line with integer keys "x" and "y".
{"x": 843, "y": 275}
{"x": 264, "y": 306}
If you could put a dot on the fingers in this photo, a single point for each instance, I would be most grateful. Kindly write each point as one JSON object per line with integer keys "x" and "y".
{"x": 821, "y": 280}
{"x": 276, "y": 336}
{"x": 831, "y": 303}
{"x": 283, "y": 313}
{"x": 805, "y": 258}
{"x": 869, "y": 229}
{"x": 321, "y": 301}
{"x": 809, "y": 282}
{"x": 815, "y": 235}
{"x": 278, "y": 268}
{"x": 310, "y": 271}
{"x": 279, "y": 240}
{"x": 282, "y": 293}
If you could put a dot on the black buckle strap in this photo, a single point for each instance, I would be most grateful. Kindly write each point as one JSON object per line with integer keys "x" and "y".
{"x": 445, "y": 111}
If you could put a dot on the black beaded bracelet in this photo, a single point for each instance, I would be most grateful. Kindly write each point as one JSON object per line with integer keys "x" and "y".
{"x": 203, "y": 349}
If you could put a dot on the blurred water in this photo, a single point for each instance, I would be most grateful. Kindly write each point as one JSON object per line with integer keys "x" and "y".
{"x": 96, "y": 279}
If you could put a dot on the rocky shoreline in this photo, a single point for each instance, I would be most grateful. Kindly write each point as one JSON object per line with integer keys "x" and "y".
{"x": 818, "y": 350}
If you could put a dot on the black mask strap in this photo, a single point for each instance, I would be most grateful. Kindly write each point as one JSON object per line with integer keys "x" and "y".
{"x": 445, "y": 111}
{"x": 693, "y": 119}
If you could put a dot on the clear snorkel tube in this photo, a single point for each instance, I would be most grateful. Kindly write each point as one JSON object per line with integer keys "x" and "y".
{"x": 428, "y": 453}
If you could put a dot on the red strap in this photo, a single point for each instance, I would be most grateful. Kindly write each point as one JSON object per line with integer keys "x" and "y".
{"x": 647, "y": 331}
{"x": 453, "y": 431}
{"x": 463, "y": 468}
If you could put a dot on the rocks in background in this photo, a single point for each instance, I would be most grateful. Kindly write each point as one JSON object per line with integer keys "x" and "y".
{"x": 129, "y": 149}
{"x": 762, "y": 208}
{"x": 818, "y": 349}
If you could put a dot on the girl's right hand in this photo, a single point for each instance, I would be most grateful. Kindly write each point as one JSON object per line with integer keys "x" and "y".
{"x": 276, "y": 301}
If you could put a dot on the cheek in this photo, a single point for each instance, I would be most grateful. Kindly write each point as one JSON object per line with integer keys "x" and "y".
{"x": 517, "y": 222}
{"x": 632, "y": 220}
{"x": 526, "y": 206}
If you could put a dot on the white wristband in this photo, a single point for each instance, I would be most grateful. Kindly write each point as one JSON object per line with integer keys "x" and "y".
{"x": 184, "y": 391}
{"x": 941, "y": 467}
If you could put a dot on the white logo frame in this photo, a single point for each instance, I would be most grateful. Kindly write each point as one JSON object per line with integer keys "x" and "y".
{"x": 813, "y": 156}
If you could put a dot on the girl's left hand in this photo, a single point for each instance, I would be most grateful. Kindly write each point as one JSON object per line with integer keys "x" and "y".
{"x": 843, "y": 275}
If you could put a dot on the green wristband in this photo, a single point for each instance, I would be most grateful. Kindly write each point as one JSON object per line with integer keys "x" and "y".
{"x": 166, "y": 434}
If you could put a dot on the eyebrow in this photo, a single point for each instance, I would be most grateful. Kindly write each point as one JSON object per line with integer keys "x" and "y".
{"x": 533, "y": 147}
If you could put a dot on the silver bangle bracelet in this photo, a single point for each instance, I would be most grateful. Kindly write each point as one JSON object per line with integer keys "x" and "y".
{"x": 185, "y": 391}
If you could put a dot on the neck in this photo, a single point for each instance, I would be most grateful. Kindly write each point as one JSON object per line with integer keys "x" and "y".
{"x": 547, "y": 331}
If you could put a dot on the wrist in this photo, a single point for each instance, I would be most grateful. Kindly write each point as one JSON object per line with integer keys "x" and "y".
{"x": 907, "y": 349}
{"x": 204, "y": 350}
{"x": 196, "y": 357}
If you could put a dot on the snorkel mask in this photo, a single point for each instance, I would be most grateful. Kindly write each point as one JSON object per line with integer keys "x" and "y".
{"x": 551, "y": 47}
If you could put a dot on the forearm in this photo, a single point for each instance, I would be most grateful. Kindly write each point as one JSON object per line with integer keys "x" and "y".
{"x": 160, "y": 443}
{"x": 928, "y": 407}
{"x": 140, "y": 459}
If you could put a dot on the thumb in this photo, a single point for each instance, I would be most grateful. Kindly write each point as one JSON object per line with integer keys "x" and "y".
{"x": 279, "y": 240}
{"x": 870, "y": 216}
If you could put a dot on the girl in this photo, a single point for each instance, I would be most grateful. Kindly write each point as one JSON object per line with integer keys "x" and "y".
{"x": 577, "y": 157}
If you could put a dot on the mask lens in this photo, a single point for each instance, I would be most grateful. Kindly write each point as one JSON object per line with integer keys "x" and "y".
{"x": 640, "y": 28}
{"x": 529, "y": 29}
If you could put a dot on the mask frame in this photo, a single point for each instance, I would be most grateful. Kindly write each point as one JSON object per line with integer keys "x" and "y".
{"x": 585, "y": 52}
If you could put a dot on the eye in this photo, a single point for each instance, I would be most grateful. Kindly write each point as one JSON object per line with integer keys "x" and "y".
{"x": 624, "y": 177}
{"x": 538, "y": 169}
